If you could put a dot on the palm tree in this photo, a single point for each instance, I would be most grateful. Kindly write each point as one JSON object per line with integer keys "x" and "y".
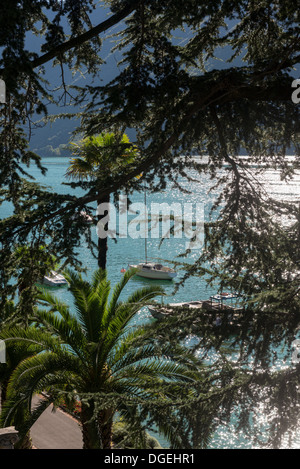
{"x": 98, "y": 355}
{"x": 97, "y": 158}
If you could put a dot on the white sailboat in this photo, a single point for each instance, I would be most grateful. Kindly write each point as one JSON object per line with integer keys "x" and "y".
{"x": 152, "y": 270}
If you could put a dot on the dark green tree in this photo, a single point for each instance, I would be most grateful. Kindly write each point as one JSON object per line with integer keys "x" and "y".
{"x": 180, "y": 101}
{"x": 172, "y": 93}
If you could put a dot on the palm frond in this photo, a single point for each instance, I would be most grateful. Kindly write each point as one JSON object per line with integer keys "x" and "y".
{"x": 96, "y": 308}
{"x": 79, "y": 169}
{"x": 115, "y": 324}
{"x": 33, "y": 369}
{"x": 46, "y": 297}
{"x": 114, "y": 302}
{"x": 145, "y": 294}
{"x": 98, "y": 276}
{"x": 93, "y": 153}
{"x": 86, "y": 303}
{"x": 41, "y": 339}
{"x": 76, "y": 281}
{"x": 67, "y": 329}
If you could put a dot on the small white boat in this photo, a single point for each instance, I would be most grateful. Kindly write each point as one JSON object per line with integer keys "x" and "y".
{"x": 54, "y": 279}
{"x": 154, "y": 271}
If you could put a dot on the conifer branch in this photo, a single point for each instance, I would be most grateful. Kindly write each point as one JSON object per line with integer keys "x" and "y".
{"x": 93, "y": 32}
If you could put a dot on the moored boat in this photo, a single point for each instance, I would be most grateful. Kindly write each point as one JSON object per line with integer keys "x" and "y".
{"x": 54, "y": 279}
{"x": 162, "y": 311}
{"x": 154, "y": 271}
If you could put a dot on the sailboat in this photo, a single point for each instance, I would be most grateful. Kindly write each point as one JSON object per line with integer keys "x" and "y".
{"x": 152, "y": 270}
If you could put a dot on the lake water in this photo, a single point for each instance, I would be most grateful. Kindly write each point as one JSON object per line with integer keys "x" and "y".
{"x": 128, "y": 250}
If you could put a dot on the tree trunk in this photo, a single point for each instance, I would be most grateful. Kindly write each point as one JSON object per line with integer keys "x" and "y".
{"x": 96, "y": 431}
{"x": 90, "y": 427}
{"x": 20, "y": 418}
{"x": 103, "y": 219}
{"x": 25, "y": 442}
{"x": 105, "y": 420}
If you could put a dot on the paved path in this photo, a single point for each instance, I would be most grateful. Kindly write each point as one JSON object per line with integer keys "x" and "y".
{"x": 56, "y": 430}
